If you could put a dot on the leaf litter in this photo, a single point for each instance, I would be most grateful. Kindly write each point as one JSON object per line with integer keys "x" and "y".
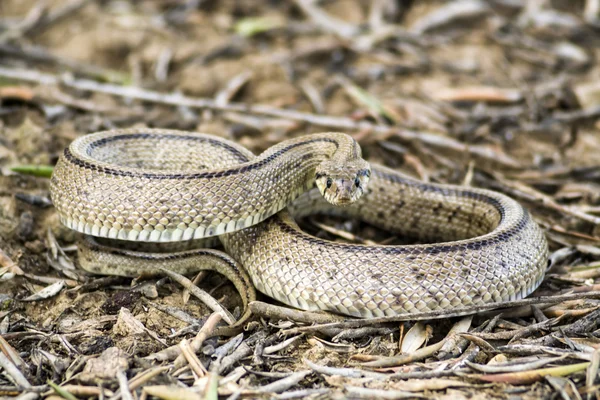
{"x": 499, "y": 94}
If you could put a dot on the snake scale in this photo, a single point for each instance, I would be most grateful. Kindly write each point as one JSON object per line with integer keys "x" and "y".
{"x": 148, "y": 185}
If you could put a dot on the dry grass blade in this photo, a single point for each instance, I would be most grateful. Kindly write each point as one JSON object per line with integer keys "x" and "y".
{"x": 482, "y": 93}
{"x": 592, "y": 371}
{"x": 525, "y": 377}
{"x": 512, "y": 367}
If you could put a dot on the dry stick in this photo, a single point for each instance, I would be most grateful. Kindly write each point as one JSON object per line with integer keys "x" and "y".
{"x": 495, "y": 369}
{"x": 206, "y": 298}
{"x": 12, "y": 354}
{"x": 33, "y": 17}
{"x": 445, "y": 313}
{"x": 193, "y": 361}
{"x": 523, "y": 191}
{"x": 124, "y": 385}
{"x": 285, "y": 383}
{"x": 146, "y": 376}
{"x": 84, "y": 391}
{"x": 198, "y": 341}
{"x": 175, "y": 351}
{"x": 243, "y": 350}
{"x": 340, "y": 123}
{"x": 402, "y": 359}
{"x": 366, "y": 331}
{"x": 27, "y": 396}
{"x": 271, "y": 311}
{"x": 476, "y": 340}
{"x": 359, "y": 392}
{"x": 304, "y": 394}
{"x": 521, "y": 332}
{"x": 42, "y": 56}
{"x": 473, "y": 350}
{"x": 345, "y": 372}
{"x": 280, "y": 346}
{"x": 592, "y": 372}
{"x": 14, "y": 372}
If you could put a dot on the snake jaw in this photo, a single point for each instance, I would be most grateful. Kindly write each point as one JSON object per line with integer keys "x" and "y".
{"x": 342, "y": 185}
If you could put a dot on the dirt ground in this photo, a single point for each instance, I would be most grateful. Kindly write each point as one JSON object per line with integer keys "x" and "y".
{"x": 501, "y": 94}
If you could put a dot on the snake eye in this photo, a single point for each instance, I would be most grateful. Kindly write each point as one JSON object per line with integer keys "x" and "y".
{"x": 357, "y": 181}
{"x": 329, "y": 183}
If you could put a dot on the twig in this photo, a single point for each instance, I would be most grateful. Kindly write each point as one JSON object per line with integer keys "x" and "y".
{"x": 331, "y": 122}
{"x": 402, "y": 359}
{"x": 280, "y": 346}
{"x": 206, "y": 298}
{"x": 192, "y": 359}
{"x": 124, "y": 385}
{"x": 518, "y": 333}
{"x": 41, "y": 55}
{"x": 198, "y": 341}
{"x": 175, "y": 351}
{"x": 14, "y": 372}
{"x": 494, "y": 369}
{"x": 445, "y": 313}
{"x": 285, "y": 383}
{"x": 276, "y": 312}
{"x": 345, "y": 372}
{"x": 58, "y": 14}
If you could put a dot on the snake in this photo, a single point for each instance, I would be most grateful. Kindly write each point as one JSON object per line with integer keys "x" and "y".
{"x": 155, "y": 187}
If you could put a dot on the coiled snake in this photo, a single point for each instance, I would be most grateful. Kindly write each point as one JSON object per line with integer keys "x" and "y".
{"x": 148, "y": 185}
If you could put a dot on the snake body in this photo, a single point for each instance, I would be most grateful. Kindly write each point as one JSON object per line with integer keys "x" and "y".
{"x": 157, "y": 185}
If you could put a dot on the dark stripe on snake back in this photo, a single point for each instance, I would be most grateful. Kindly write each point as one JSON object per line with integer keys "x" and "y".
{"x": 199, "y": 175}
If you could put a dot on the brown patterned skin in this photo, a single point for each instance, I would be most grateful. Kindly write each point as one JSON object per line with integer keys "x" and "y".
{"x": 491, "y": 249}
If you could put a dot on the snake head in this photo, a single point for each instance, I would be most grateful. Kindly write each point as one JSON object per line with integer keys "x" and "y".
{"x": 342, "y": 184}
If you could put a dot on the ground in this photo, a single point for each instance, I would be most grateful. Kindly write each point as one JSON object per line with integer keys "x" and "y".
{"x": 499, "y": 94}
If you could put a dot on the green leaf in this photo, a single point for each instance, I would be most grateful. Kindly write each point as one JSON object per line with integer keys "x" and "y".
{"x": 43, "y": 171}
{"x": 61, "y": 392}
{"x": 249, "y": 27}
